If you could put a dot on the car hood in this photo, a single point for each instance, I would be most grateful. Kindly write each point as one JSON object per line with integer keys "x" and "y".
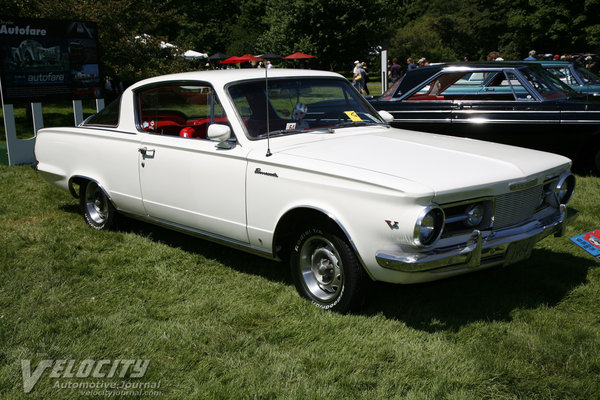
{"x": 442, "y": 163}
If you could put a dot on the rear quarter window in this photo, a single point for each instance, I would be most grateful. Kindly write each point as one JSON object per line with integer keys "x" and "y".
{"x": 108, "y": 116}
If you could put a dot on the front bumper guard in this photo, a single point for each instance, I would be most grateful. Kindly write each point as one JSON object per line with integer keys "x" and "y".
{"x": 478, "y": 250}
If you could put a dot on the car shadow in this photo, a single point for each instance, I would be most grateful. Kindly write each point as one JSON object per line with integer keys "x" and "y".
{"x": 234, "y": 259}
{"x": 490, "y": 295}
{"x": 446, "y": 305}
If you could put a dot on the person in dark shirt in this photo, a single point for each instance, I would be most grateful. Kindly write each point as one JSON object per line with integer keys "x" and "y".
{"x": 411, "y": 64}
{"x": 395, "y": 71}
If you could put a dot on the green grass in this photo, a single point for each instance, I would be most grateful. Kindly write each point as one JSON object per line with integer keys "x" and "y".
{"x": 220, "y": 324}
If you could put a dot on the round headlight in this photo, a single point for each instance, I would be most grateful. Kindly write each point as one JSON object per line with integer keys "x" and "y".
{"x": 474, "y": 215}
{"x": 429, "y": 226}
{"x": 564, "y": 188}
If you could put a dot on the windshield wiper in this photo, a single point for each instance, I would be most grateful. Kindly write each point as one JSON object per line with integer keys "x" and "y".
{"x": 295, "y": 131}
{"x": 355, "y": 123}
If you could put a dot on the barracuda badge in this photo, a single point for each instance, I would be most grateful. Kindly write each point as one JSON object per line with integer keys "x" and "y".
{"x": 393, "y": 225}
{"x": 261, "y": 172}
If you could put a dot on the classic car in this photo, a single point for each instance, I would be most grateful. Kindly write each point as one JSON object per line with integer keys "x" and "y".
{"x": 513, "y": 103}
{"x": 576, "y": 76}
{"x": 301, "y": 168}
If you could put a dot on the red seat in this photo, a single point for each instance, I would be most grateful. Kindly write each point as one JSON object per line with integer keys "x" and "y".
{"x": 188, "y": 132}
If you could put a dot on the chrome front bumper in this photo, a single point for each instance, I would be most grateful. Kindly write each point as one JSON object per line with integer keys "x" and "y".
{"x": 505, "y": 247}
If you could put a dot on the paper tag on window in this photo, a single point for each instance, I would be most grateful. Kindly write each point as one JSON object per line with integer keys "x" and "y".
{"x": 353, "y": 115}
{"x": 290, "y": 125}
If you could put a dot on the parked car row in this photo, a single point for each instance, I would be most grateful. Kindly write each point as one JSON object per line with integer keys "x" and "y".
{"x": 303, "y": 169}
{"x": 514, "y": 103}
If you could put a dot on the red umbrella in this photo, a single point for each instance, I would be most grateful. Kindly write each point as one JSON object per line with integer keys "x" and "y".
{"x": 252, "y": 58}
{"x": 244, "y": 58}
{"x": 297, "y": 56}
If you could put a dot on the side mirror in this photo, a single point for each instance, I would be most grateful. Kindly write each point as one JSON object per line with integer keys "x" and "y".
{"x": 218, "y": 132}
{"x": 222, "y": 133}
{"x": 386, "y": 116}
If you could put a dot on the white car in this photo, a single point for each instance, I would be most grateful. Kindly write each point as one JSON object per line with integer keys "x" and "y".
{"x": 310, "y": 173}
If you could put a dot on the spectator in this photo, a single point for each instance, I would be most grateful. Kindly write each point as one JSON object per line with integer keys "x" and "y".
{"x": 531, "y": 56}
{"x": 422, "y": 62}
{"x": 493, "y": 56}
{"x": 411, "y": 64}
{"x": 356, "y": 75}
{"x": 395, "y": 71}
{"x": 365, "y": 77}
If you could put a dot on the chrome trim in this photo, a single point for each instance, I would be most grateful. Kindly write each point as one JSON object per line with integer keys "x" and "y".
{"x": 562, "y": 179}
{"x": 431, "y": 121}
{"x": 87, "y": 178}
{"x": 504, "y": 121}
{"x": 473, "y": 111}
{"x": 526, "y": 184}
{"x": 478, "y": 250}
{"x": 579, "y": 121}
{"x": 417, "y": 230}
{"x": 420, "y": 111}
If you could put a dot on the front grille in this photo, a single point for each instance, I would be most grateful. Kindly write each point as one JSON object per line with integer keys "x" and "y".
{"x": 515, "y": 207}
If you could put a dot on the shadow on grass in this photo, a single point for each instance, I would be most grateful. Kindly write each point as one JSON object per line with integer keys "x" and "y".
{"x": 490, "y": 295}
{"x": 446, "y": 305}
{"x": 234, "y": 259}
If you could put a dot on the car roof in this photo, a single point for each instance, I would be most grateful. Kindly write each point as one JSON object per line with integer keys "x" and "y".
{"x": 418, "y": 75}
{"x": 223, "y": 77}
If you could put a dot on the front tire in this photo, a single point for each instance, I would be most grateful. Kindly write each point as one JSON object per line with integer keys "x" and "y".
{"x": 326, "y": 271}
{"x": 96, "y": 208}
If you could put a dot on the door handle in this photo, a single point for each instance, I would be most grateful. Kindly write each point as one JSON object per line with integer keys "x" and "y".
{"x": 146, "y": 152}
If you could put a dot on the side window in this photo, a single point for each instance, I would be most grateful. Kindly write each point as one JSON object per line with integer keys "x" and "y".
{"x": 179, "y": 110}
{"x": 519, "y": 91}
{"x": 446, "y": 84}
{"x": 108, "y": 116}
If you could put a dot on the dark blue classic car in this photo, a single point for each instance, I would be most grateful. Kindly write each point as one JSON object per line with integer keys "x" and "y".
{"x": 514, "y": 103}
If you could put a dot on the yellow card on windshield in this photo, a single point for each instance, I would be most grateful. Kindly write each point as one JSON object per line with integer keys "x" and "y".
{"x": 353, "y": 115}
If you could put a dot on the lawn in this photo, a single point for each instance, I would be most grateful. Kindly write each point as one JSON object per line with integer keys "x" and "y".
{"x": 218, "y": 324}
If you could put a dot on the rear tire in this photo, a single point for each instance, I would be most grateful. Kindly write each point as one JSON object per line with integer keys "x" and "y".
{"x": 326, "y": 271}
{"x": 96, "y": 208}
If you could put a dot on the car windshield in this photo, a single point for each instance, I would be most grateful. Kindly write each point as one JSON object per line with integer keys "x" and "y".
{"x": 299, "y": 105}
{"x": 588, "y": 77}
{"x": 547, "y": 84}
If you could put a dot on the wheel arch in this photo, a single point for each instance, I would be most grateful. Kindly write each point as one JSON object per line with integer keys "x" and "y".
{"x": 79, "y": 180}
{"x": 293, "y": 220}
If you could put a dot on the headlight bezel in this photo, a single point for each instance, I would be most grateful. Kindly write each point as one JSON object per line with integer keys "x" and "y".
{"x": 562, "y": 190}
{"x": 436, "y": 228}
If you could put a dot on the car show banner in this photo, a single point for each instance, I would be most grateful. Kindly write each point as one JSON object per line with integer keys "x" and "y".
{"x": 48, "y": 60}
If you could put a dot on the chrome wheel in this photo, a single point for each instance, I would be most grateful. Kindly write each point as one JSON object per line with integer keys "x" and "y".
{"x": 95, "y": 206}
{"x": 96, "y": 203}
{"x": 321, "y": 269}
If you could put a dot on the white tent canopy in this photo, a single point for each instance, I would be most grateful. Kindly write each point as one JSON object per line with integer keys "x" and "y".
{"x": 194, "y": 55}
{"x": 188, "y": 55}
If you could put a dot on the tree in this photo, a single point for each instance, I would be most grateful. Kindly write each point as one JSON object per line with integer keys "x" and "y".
{"x": 336, "y": 32}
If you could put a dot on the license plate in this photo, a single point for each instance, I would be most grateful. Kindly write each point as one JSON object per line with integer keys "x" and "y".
{"x": 519, "y": 251}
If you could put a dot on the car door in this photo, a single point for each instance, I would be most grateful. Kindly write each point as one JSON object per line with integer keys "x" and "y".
{"x": 186, "y": 180}
{"x": 506, "y": 111}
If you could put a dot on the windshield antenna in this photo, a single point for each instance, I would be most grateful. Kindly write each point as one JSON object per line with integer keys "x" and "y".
{"x": 269, "y": 154}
